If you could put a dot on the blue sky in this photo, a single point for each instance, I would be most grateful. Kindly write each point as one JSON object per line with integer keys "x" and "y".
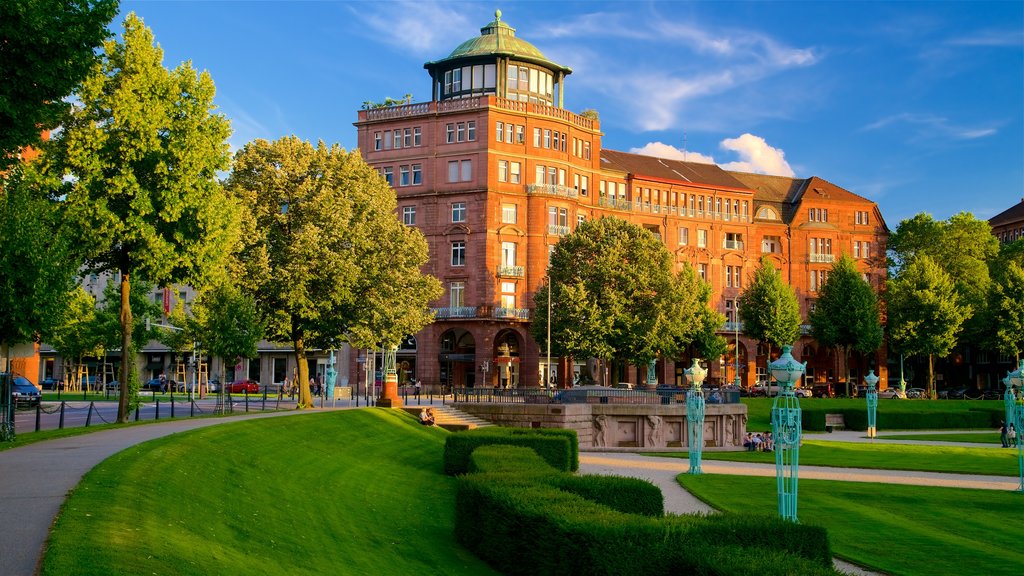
{"x": 918, "y": 106}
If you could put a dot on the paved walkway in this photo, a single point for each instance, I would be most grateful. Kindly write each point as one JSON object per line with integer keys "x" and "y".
{"x": 36, "y": 478}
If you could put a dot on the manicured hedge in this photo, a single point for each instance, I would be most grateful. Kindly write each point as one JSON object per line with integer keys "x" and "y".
{"x": 524, "y": 523}
{"x": 629, "y": 495}
{"x": 905, "y": 418}
{"x": 558, "y": 447}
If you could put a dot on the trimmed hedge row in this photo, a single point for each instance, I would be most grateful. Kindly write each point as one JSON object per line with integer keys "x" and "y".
{"x": 525, "y": 523}
{"x": 857, "y": 419}
{"x": 559, "y": 447}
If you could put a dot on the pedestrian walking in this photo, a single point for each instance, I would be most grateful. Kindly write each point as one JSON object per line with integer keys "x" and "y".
{"x": 1004, "y": 434}
{"x": 1011, "y": 435}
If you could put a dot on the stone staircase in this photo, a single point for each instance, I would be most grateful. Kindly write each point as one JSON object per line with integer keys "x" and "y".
{"x": 450, "y": 418}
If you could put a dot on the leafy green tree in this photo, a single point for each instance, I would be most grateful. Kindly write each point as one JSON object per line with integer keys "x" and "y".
{"x": 707, "y": 342}
{"x": 1006, "y": 304}
{"x": 615, "y": 296}
{"x": 323, "y": 255}
{"x": 769, "y": 309}
{"x": 845, "y": 316}
{"x": 79, "y": 329}
{"x": 142, "y": 152}
{"x": 925, "y": 312}
{"x": 227, "y": 323}
{"x": 36, "y": 265}
{"x": 963, "y": 247}
{"x": 46, "y": 49}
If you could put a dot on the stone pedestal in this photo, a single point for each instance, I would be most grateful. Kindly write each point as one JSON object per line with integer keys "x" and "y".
{"x": 389, "y": 394}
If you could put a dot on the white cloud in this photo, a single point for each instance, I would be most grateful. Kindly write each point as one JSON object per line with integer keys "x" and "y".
{"x": 756, "y": 156}
{"x": 990, "y": 38}
{"x": 931, "y": 128}
{"x": 424, "y": 28}
{"x": 661, "y": 150}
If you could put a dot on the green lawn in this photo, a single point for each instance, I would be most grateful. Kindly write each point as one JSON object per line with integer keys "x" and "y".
{"x": 898, "y": 530}
{"x": 759, "y": 409}
{"x": 347, "y": 492}
{"x": 977, "y": 438}
{"x": 881, "y": 456}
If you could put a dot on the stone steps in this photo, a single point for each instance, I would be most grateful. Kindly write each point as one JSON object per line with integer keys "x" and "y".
{"x": 450, "y": 418}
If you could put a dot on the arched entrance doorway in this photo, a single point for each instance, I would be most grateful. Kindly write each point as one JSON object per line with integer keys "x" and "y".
{"x": 457, "y": 359}
{"x": 405, "y": 360}
{"x": 507, "y": 345}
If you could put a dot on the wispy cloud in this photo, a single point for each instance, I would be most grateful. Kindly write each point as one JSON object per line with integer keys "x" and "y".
{"x": 931, "y": 127}
{"x": 697, "y": 66}
{"x": 423, "y": 28}
{"x": 756, "y": 155}
{"x": 992, "y": 38}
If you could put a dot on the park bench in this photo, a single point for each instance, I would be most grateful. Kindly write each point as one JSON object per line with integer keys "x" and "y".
{"x": 833, "y": 421}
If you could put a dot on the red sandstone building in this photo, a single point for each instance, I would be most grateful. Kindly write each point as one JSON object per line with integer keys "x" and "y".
{"x": 494, "y": 171}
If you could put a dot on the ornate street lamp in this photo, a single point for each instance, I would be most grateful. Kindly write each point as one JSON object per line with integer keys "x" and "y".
{"x": 695, "y": 414}
{"x": 1010, "y": 396}
{"x": 786, "y": 430}
{"x": 331, "y": 377}
{"x": 1016, "y": 378}
{"x": 872, "y": 397}
{"x": 389, "y": 394}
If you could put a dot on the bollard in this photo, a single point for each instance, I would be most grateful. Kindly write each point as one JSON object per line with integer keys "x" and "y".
{"x": 172, "y": 405}
{"x": 39, "y": 411}
{"x": 247, "y": 400}
{"x": 60, "y": 423}
{"x": 192, "y": 409}
{"x": 264, "y": 406}
{"x": 157, "y": 410}
{"x": 88, "y": 416}
{"x": 136, "y": 413}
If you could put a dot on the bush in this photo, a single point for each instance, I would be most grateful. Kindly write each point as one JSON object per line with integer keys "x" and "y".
{"x": 558, "y": 447}
{"x": 524, "y": 522}
{"x": 629, "y": 495}
{"x": 905, "y": 417}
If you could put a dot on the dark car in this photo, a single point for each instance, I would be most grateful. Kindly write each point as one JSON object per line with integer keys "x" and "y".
{"x": 242, "y": 387}
{"x": 24, "y": 392}
{"x": 49, "y": 384}
{"x": 157, "y": 385}
{"x": 823, "y": 391}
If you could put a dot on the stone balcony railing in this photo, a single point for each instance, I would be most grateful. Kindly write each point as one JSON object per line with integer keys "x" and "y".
{"x": 732, "y": 244}
{"x": 558, "y": 230}
{"x": 517, "y": 313}
{"x": 511, "y": 271}
{"x": 820, "y": 258}
{"x": 552, "y": 190}
{"x": 455, "y": 312}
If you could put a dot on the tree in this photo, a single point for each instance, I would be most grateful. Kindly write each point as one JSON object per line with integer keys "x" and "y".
{"x": 227, "y": 323}
{"x": 963, "y": 247}
{"x": 845, "y": 316}
{"x": 1006, "y": 304}
{"x": 78, "y": 332}
{"x": 615, "y": 296}
{"x": 142, "y": 153}
{"x": 709, "y": 344}
{"x": 36, "y": 266}
{"x": 925, "y": 312}
{"x": 769, "y": 309}
{"x": 323, "y": 255}
{"x": 46, "y": 49}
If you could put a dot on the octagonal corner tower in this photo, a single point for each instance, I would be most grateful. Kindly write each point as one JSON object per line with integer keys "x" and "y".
{"x": 497, "y": 63}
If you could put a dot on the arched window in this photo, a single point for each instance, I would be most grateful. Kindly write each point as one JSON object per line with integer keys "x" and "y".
{"x": 767, "y": 213}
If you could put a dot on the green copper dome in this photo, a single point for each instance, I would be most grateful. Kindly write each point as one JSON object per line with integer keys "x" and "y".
{"x": 498, "y": 39}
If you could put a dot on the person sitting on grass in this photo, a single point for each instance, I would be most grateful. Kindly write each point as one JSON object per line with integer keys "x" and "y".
{"x": 427, "y": 417}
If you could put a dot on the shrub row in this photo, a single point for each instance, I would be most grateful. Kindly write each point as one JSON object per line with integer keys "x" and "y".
{"x": 535, "y": 520}
{"x": 857, "y": 419}
{"x": 559, "y": 447}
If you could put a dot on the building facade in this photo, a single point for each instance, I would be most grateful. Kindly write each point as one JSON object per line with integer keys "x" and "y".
{"x": 494, "y": 171}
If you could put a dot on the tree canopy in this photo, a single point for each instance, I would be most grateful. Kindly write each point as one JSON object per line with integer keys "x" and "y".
{"x": 769, "y": 309}
{"x": 46, "y": 49}
{"x": 323, "y": 254}
{"x": 925, "y": 311}
{"x": 614, "y": 295}
{"x": 845, "y": 315}
{"x": 141, "y": 154}
{"x": 1006, "y": 306}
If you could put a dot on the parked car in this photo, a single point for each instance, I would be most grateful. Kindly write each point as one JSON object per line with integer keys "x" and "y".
{"x": 214, "y": 386}
{"x": 916, "y": 393}
{"x": 893, "y": 392}
{"x": 242, "y": 387}
{"x": 49, "y": 384}
{"x": 24, "y": 392}
{"x": 157, "y": 385}
{"x": 823, "y": 391}
{"x": 113, "y": 385}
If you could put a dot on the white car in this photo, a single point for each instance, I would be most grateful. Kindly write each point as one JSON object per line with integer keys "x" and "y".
{"x": 894, "y": 392}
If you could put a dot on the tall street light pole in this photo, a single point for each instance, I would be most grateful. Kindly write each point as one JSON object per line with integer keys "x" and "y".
{"x": 548, "y": 375}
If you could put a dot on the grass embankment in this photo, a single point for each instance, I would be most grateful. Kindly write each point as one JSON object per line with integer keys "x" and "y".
{"x": 759, "y": 410}
{"x": 879, "y": 456}
{"x": 348, "y": 492}
{"x": 898, "y": 530}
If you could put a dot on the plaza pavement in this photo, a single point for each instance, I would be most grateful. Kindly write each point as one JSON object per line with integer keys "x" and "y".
{"x": 36, "y": 478}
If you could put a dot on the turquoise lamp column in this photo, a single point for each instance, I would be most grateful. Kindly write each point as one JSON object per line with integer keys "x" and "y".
{"x": 872, "y": 397}
{"x": 695, "y": 414}
{"x": 786, "y": 430}
{"x": 1017, "y": 378}
{"x": 1010, "y": 396}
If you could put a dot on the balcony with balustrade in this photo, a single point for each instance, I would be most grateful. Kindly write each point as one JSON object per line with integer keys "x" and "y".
{"x": 552, "y": 190}
{"x": 512, "y": 313}
{"x": 506, "y": 271}
{"x": 454, "y": 312}
{"x": 558, "y": 230}
{"x": 816, "y": 258}
{"x": 732, "y": 244}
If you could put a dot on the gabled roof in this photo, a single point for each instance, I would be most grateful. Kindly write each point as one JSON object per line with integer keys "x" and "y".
{"x": 669, "y": 170}
{"x": 1012, "y": 214}
{"x": 771, "y": 188}
{"x": 823, "y": 189}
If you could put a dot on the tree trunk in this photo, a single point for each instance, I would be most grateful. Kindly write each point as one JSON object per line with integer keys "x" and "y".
{"x": 305, "y": 396}
{"x": 127, "y": 363}
{"x": 931, "y": 379}
{"x": 846, "y": 367}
